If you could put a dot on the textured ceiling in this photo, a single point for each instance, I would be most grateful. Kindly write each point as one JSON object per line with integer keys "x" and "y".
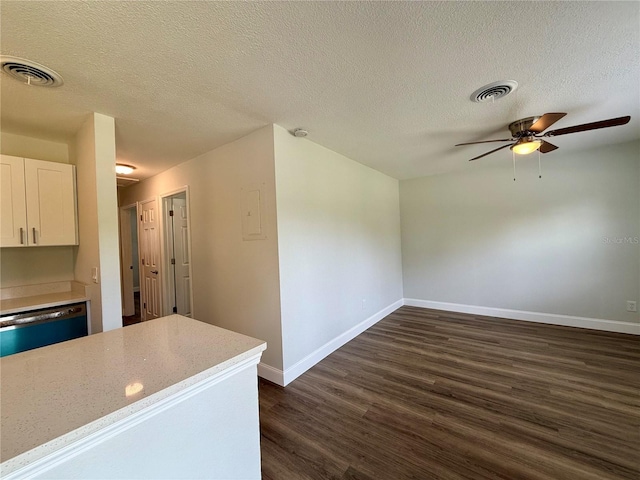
{"x": 386, "y": 84}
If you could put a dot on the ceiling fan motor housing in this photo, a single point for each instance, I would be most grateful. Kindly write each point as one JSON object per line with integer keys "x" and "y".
{"x": 520, "y": 128}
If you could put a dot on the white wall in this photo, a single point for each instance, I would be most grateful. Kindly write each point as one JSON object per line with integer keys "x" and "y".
{"x": 35, "y": 265}
{"x": 33, "y": 147}
{"x": 338, "y": 242}
{"x": 540, "y": 245}
{"x": 31, "y": 266}
{"x": 235, "y": 282}
{"x": 98, "y": 220}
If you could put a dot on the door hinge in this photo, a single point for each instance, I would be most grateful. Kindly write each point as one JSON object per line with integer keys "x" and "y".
{"x": 175, "y": 309}
{"x": 171, "y": 213}
{"x": 140, "y": 217}
{"x": 173, "y": 261}
{"x": 144, "y": 305}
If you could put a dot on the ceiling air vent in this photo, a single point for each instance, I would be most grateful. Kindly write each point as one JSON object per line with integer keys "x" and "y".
{"x": 125, "y": 181}
{"x": 494, "y": 91}
{"x": 30, "y": 73}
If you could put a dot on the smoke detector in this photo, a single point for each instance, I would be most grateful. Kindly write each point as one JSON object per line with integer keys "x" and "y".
{"x": 300, "y": 132}
{"x": 30, "y": 73}
{"x": 494, "y": 91}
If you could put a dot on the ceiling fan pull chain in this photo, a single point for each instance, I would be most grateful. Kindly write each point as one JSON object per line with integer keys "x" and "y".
{"x": 539, "y": 167}
{"x": 513, "y": 154}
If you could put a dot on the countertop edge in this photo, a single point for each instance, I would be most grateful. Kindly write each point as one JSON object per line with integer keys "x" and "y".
{"x": 27, "y": 458}
{"x": 38, "y": 306}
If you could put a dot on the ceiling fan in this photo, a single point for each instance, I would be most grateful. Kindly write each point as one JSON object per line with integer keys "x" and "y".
{"x": 527, "y": 136}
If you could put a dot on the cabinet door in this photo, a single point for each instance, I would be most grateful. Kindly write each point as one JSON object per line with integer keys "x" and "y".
{"x": 13, "y": 213}
{"x": 51, "y": 203}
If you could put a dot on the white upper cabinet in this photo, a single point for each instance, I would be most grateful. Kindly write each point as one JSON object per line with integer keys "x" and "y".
{"x": 13, "y": 207}
{"x": 38, "y": 203}
{"x": 51, "y": 202}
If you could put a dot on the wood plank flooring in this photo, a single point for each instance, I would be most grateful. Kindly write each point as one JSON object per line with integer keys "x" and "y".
{"x": 428, "y": 394}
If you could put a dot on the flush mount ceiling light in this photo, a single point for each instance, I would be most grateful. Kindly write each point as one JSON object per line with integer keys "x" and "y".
{"x": 526, "y": 145}
{"x": 29, "y": 73}
{"x": 122, "y": 169}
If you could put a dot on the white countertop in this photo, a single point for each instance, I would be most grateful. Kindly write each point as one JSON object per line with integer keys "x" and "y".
{"x": 54, "y": 395}
{"x": 22, "y": 298}
{"x": 48, "y": 300}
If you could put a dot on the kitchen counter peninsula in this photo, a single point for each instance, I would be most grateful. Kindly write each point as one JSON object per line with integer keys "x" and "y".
{"x": 167, "y": 398}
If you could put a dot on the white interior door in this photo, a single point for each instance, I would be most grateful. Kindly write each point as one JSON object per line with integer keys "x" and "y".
{"x": 181, "y": 255}
{"x": 150, "y": 261}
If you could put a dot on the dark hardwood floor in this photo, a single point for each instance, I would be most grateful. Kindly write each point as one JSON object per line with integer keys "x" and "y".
{"x": 136, "y": 317}
{"x": 428, "y": 394}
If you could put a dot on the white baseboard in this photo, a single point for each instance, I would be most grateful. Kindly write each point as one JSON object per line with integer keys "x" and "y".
{"x": 284, "y": 378}
{"x": 270, "y": 373}
{"x": 554, "y": 319}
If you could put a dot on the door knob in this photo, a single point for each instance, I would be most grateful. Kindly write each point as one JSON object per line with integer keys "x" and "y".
{"x": 154, "y": 272}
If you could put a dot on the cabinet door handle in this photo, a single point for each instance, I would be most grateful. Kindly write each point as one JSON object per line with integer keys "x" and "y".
{"x": 21, "y": 236}
{"x": 34, "y": 235}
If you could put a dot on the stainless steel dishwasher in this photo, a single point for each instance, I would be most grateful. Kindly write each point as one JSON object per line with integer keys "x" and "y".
{"x": 38, "y": 328}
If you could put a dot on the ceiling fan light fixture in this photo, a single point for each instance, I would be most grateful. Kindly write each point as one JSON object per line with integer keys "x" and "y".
{"x": 122, "y": 169}
{"x": 525, "y": 146}
{"x": 528, "y": 133}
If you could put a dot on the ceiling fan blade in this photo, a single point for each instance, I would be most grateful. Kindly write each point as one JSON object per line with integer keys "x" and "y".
{"x": 495, "y": 150}
{"x": 612, "y": 122}
{"x": 547, "y": 147}
{"x": 486, "y": 141}
{"x": 545, "y": 121}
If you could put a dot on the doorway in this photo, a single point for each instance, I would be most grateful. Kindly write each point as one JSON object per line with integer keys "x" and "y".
{"x": 130, "y": 265}
{"x": 178, "y": 292}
